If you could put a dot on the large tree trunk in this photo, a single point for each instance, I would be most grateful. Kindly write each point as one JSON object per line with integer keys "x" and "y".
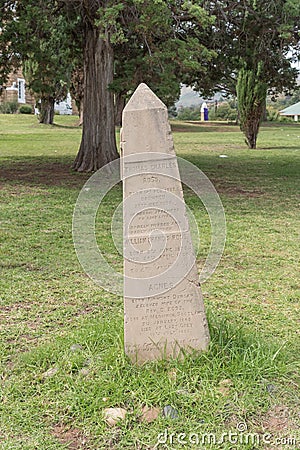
{"x": 47, "y": 110}
{"x": 264, "y": 113}
{"x": 77, "y": 90}
{"x": 251, "y": 122}
{"x": 80, "y": 110}
{"x": 120, "y": 102}
{"x": 251, "y": 130}
{"x": 98, "y": 144}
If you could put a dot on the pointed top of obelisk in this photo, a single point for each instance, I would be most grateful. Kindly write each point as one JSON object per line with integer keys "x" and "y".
{"x": 144, "y": 98}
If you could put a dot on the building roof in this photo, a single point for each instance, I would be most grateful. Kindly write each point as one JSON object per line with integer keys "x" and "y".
{"x": 293, "y": 110}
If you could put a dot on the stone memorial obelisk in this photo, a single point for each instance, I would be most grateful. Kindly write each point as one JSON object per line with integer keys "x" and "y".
{"x": 164, "y": 311}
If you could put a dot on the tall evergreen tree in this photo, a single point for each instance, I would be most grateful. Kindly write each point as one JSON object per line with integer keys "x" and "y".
{"x": 158, "y": 49}
{"x": 35, "y": 35}
{"x": 126, "y": 43}
{"x": 250, "y": 37}
{"x": 251, "y": 95}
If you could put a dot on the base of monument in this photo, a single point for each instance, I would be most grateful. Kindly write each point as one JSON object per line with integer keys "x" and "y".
{"x": 162, "y": 351}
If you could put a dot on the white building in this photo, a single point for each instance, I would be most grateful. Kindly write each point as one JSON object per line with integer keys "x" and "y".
{"x": 291, "y": 111}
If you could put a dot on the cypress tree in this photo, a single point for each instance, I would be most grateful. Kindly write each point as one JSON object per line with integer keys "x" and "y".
{"x": 251, "y": 96}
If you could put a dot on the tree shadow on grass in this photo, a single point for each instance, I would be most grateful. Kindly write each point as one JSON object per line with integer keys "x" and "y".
{"x": 75, "y": 125}
{"x": 236, "y": 175}
{"x": 42, "y": 171}
{"x": 291, "y": 147}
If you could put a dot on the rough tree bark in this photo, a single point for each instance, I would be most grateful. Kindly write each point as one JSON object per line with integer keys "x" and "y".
{"x": 98, "y": 144}
{"x": 77, "y": 91}
{"x": 80, "y": 110}
{"x": 47, "y": 110}
{"x": 120, "y": 102}
{"x": 251, "y": 129}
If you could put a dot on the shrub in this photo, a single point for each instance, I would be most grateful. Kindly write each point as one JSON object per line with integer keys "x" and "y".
{"x": 25, "y": 109}
{"x": 188, "y": 113}
{"x": 225, "y": 111}
{"x": 172, "y": 112}
{"x": 9, "y": 107}
{"x": 272, "y": 114}
{"x": 285, "y": 119}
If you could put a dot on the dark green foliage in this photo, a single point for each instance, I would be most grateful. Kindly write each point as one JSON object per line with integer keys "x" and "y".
{"x": 224, "y": 111}
{"x": 172, "y": 112}
{"x": 38, "y": 37}
{"x": 49, "y": 60}
{"x": 9, "y": 57}
{"x": 189, "y": 113}
{"x": 156, "y": 43}
{"x": 285, "y": 119}
{"x": 8, "y": 108}
{"x": 244, "y": 34}
{"x": 25, "y": 109}
{"x": 251, "y": 94}
{"x": 153, "y": 42}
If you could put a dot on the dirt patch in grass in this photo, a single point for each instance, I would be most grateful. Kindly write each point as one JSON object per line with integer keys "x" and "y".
{"x": 197, "y": 126}
{"x": 234, "y": 190}
{"x": 72, "y": 437}
{"x": 185, "y": 129}
{"x": 17, "y": 190}
{"x": 17, "y": 307}
{"x": 26, "y": 266}
{"x": 278, "y": 419}
{"x": 41, "y": 173}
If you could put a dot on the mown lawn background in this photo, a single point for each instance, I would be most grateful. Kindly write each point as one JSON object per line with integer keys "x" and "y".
{"x": 62, "y": 359}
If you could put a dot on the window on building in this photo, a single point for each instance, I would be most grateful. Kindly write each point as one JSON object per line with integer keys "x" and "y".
{"x": 21, "y": 90}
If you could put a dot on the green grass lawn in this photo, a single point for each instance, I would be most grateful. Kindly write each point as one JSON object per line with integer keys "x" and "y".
{"x": 62, "y": 360}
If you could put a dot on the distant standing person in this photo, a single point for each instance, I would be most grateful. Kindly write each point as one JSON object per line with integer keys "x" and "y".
{"x": 204, "y": 112}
